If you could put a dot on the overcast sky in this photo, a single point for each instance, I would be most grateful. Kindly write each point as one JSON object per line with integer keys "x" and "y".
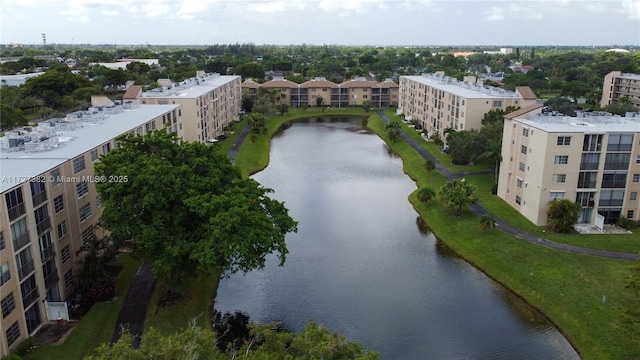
{"x": 341, "y": 22}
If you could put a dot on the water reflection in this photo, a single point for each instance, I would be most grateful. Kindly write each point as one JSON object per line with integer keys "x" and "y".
{"x": 361, "y": 263}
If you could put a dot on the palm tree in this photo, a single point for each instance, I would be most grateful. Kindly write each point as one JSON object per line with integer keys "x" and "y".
{"x": 487, "y": 222}
{"x": 393, "y": 130}
{"x": 429, "y": 165}
{"x": 426, "y": 194}
{"x": 457, "y": 193}
{"x": 563, "y": 214}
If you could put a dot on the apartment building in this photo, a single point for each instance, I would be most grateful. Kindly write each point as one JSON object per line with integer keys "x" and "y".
{"x": 349, "y": 93}
{"x": 209, "y": 103}
{"x": 618, "y": 85}
{"x": 593, "y": 160}
{"x": 50, "y": 205}
{"x": 441, "y": 102}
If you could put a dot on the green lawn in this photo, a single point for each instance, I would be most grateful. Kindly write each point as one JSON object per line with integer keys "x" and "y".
{"x": 97, "y": 326}
{"x": 567, "y": 287}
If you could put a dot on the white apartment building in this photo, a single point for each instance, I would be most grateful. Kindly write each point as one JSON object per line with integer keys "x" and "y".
{"x": 209, "y": 103}
{"x": 592, "y": 160}
{"x": 441, "y": 102}
{"x": 618, "y": 85}
{"x": 50, "y": 205}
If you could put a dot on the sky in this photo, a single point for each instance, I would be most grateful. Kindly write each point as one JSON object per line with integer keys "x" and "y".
{"x": 338, "y": 22}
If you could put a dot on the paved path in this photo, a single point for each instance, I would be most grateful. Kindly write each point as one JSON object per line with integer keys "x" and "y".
{"x": 480, "y": 210}
{"x": 235, "y": 148}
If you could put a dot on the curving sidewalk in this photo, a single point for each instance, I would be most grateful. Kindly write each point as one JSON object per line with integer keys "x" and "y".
{"x": 480, "y": 210}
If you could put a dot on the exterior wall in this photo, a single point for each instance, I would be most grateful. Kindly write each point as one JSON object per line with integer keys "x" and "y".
{"x": 438, "y": 108}
{"x": 528, "y": 182}
{"x": 60, "y": 283}
{"x": 617, "y": 85}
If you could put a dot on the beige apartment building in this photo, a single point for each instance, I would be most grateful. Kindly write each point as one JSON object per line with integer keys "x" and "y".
{"x": 209, "y": 103}
{"x": 50, "y": 205}
{"x": 349, "y": 93}
{"x": 593, "y": 160}
{"x": 441, "y": 102}
{"x": 618, "y": 85}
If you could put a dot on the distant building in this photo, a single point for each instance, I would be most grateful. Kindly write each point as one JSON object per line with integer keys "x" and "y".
{"x": 593, "y": 160}
{"x": 618, "y": 85}
{"x": 441, "y": 102}
{"x": 44, "y": 223}
{"x": 17, "y": 80}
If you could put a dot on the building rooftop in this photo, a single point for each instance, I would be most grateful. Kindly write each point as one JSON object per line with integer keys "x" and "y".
{"x": 31, "y": 151}
{"x": 464, "y": 89}
{"x": 190, "y": 88}
{"x": 629, "y": 76}
{"x": 590, "y": 124}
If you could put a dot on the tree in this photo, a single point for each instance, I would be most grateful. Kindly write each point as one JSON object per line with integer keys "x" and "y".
{"x": 319, "y": 101}
{"x": 426, "y": 194}
{"x": 185, "y": 207}
{"x": 393, "y": 130}
{"x": 11, "y": 117}
{"x": 487, "y": 222}
{"x": 457, "y": 193}
{"x": 497, "y": 115}
{"x": 561, "y": 105}
{"x": 193, "y": 342}
{"x": 576, "y": 89}
{"x": 283, "y": 108}
{"x": 429, "y": 165}
{"x": 367, "y": 105}
{"x": 257, "y": 122}
{"x": 250, "y": 70}
{"x": 562, "y": 215}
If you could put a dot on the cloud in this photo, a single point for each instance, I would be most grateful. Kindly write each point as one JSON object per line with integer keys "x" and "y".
{"x": 632, "y": 8}
{"x": 515, "y": 10}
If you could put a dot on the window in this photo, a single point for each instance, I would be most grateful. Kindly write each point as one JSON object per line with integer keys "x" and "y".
{"x": 106, "y": 148}
{"x": 636, "y": 177}
{"x": 561, "y": 160}
{"x": 87, "y": 235}
{"x": 68, "y": 279}
{"x": 54, "y": 176}
{"x": 497, "y": 103}
{"x": 24, "y": 262}
{"x": 42, "y": 219}
{"x": 2, "y": 245}
{"x": 78, "y": 164}
{"x": 8, "y": 304}
{"x": 85, "y": 212}
{"x": 617, "y": 161}
{"x": 590, "y": 161}
{"x": 58, "y": 204}
{"x": 564, "y": 140}
{"x": 559, "y": 195}
{"x": 620, "y": 142}
{"x": 614, "y": 180}
{"x": 65, "y": 254}
{"x": 520, "y": 183}
{"x": 611, "y": 197}
{"x": 29, "y": 291}
{"x": 587, "y": 179}
{"x": 518, "y": 200}
{"x": 638, "y": 159}
{"x": 19, "y": 233}
{"x": 62, "y": 229}
{"x": 98, "y": 201}
{"x": 592, "y": 143}
{"x": 13, "y": 333}
{"x": 5, "y": 275}
{"x": 559, "y": 178}
{"x": 82, "y": 189}
{"x": 38, "y": 192}
{"x": 633, "y": 195}
{"x": 15, "y": 204}
{"x": 525, "y": 132}
{"x": 629, "y": 214}
{"x": 523, "y": 149}
{"x": 94, "y": 154}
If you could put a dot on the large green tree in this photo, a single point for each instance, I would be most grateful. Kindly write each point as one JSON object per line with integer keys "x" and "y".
{"x": 185, "y": 207}
{"x": 456, "y": 194}
{"x": 562, "y": 215}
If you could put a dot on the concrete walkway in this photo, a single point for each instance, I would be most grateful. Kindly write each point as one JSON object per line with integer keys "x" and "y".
{"x": 480, "y": 210}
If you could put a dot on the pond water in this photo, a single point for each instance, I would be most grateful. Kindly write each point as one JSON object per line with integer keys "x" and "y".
{"x": 364, "y": 265}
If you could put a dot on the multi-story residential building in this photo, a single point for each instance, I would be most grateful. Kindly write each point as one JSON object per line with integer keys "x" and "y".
{"x": 50, "y": 206}
{"x": 349, "y": 93}
{"x": 209, "y": 103}
{"x": 618, "y": 85}
{"x": 593, "y": 160}
{"x": 441, "y": 102}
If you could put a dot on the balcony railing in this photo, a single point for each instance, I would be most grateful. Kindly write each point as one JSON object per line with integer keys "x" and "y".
{"x": 26, "y": 269}
{"x": 16, "y": 211}
{"x": 43, "y": 225}
{"x": 21, "y": 241}
{"x": 47, "y": 253}
{"x": 39, "y": 198}
{"x": 52, "y": 278}
{"x": 30, "y": 298}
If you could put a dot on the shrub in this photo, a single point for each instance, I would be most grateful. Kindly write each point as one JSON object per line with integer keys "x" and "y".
{"x": 102, "y": 290}
{"x": 625, "y": 223}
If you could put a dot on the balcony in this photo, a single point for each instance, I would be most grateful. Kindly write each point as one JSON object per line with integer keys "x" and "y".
{"x": 39, "y": 198}
{"x": 47, "y": 253}
{"x": 26, "y": 269}
{"x": 30, "y": 298}
{"x": 16, "y": 211}
{"x": 51, "y": 279}
{"x": 43, "y": 225}
{"x": 21, "y": 241}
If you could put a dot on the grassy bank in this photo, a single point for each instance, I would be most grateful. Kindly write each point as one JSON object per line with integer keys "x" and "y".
{"x": 96, "y": 327}
{"x": 567, "y": 287}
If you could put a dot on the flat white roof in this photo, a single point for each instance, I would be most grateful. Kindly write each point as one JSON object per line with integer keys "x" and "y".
{"x": 463, "y": 89}
{"x": 629, "y": 76}
{"x": 587, "y": 125}
{"x": 190, "y": 88}
{"x": 17, "y": 167}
